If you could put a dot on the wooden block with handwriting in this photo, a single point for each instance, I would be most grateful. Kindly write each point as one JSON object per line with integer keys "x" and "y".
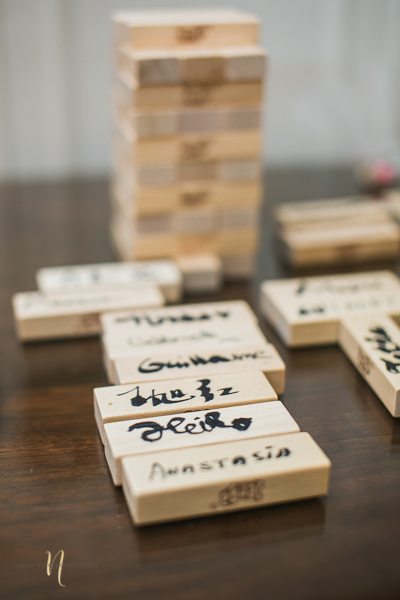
{"x": 202, "y": 273}
{"x": 229, "y": 312}
{"x": 148, "y": 400}
{"x": 180, "y": 28}
{"x": 40, "y": 317}
{"x": 188, "y": 430}
{"x": 112, "y": 276}
{"x": 208, "y": 360}
{"x": 210, "y": 480}
{"x": 306, "y": 311}
{"x": 175, "y": 339}
{"x": 372, "y": 343}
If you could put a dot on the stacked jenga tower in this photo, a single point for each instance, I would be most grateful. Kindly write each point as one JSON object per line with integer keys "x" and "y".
{"x": 187, "y": 144}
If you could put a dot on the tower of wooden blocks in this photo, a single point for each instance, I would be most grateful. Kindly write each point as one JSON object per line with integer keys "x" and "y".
{"x": 187, "y": 135}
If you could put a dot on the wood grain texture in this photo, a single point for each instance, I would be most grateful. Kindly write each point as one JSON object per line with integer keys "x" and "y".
{"x": 57, "y": 492}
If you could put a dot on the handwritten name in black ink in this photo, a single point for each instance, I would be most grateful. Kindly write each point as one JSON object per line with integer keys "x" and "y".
{"x": 159, "y": 471}
{"x": 180, "y": 425}
{"x": 306, "y": 286}
{"x": 150, "y": 366}
{"x": 385, "y": 344}
{"x": 176, "y": 395}
{"x": 183, "y": 317}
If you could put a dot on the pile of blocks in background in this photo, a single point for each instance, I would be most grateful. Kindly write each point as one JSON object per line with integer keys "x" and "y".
{"x": 187, "y": 142}
{"x": 339, "y": 231}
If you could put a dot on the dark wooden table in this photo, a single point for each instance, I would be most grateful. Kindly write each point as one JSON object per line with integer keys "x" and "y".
{"x": 56, "y": 491}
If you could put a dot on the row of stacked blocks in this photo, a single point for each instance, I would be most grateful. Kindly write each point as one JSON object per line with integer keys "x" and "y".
{"x": 187, "y": 106}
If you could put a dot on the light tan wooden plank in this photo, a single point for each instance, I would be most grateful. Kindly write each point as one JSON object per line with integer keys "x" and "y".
{"x": 227, "y": 477}
{"x": 202, "y": 220}
{"x": 156, "y": 175}
{"x": 239, "y": 218}
{"x": 197, "y": 171}
{"x": 347, "y": 244}
{"x": 196, "y": 148}
{"x": 40, "y": 317}
{"x": 306, "y": 311}
{"x": 228, "y": 312}
{"x": 232, "y": 240}
{"x": 244, "y": 64}
{"x": 147, "y": 400}
{"x": 244, "y": 357}
{"x": 112, "y": 276}
{"x": 372, "y": 343}
{"x": 194, "y": 243}
{"x": 239, "y": 170}
{"x": 202, "y": 273}
{"x": 185, "y": 28}
{"x": 174, "y": 338}
{"x": 189, "y": 430}
{"x": 132, "y": 246}
{"x": 238, "y": 266}
{"x": 156, "y": 125}
{"x": 227, "y": 95}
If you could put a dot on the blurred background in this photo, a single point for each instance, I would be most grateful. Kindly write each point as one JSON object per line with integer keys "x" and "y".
{"x": 333, "y": 92}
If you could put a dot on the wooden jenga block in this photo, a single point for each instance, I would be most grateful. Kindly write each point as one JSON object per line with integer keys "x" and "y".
{"x": 231, "y": 240}
{"x": 209, "y": 28}
{"x": 229, "y": 312}
{"x": 197, "y": 171}
{"x": 157, "y": 175}
{"x": 228, "y": 95}
{"x": 306, "y": 311}
{"x": 112, "y": 276}
{"x": 244, "y": 118}
{"x": 219, "y": 478}
{"x": 189, "y": 430}
{"x": 195, "y": 221}
{"x": 247, "y": 357}
{"x": 191, "y": 121}
{"x": 154, "y": 224}
{"x": 40, "y": 317}
{"x": 358, "y": 209}
{"x": 238, "y": 266}
{"x": 197, "y": 242}
{"x": 148, "y": 400}
{"x": 347, "y": 244}
{"x": 156, "y": 124}
{"x": 372, "y": 343}
{"x": 239, "y": 170}
{"x": 244, "y": 64}
{"x": 188, "y": 337}
{"x": 131, "y": 246}
{"x": 202, "y": 69}
{"x": 195, "y": 148}
{"x": 239, "y": 218}
{"x": 202, "y": 273}
{"x": 163, "y": 70}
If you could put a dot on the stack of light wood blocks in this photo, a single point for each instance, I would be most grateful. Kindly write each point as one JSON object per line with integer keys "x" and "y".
{"x": 194, "y": 425}
{"x": 360, "y": 312}
{"x": 339, "y": 231}
{"x": 187, "y": 136}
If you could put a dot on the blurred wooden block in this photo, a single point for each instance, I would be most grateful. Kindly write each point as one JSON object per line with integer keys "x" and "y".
{"x": 195, "y": 148}
{"x": 347, "y": 244}
{"x": 234, "y": 240}
{"x": 194, "y": 243}
{"x": 40, "y": 317}
{"x": 111, "y": 277}
{"x": 129, "y": 245}
{"x": 338, "y": 211}
{"x": 244, "y": 64}
{"x": 191, "y": 121}
{"x": 154, "y": 224}
{"x": 243, "y": 118}
{"x": 186, "y": 336}
{"x": 228, "y": 312}
{"x": 239, "y": 170}
{"x": 157, "y": 175}
{"x": 306, "y": 311}
{"x": 227, "y": 95}
{"x": 208, "y": 361}
{"x": 189, "y": 430}
{"x": 202, "y": 273}
{"x": 238, "y": 266}
{"x": 156, "y": 71}
{"x": 201, "y": 220}
{"x": 372, "y": 343}
{"x": 148, "y": 400}
{"x": 215, "y": 479}
{"x": 197, "y": 171}
{"x": 209, "y": 28}
{"x": 156, "y": 124}
{"x": 239, "y": 218}
{"x": 202, "y": 69}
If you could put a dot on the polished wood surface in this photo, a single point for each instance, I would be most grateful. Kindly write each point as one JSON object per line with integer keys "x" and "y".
{"x": 56, "y": 492}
